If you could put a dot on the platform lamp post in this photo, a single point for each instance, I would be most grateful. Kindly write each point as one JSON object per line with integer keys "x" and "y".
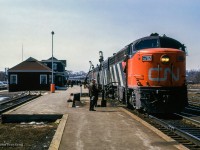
{"x": 52, "y": 81}
{"x": 103, "y": 101}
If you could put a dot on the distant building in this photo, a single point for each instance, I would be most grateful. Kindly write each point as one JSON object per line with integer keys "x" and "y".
{"x": 59, "y": 70}
{"x": 30, "y": 75}
{"x": 2, "y": 76}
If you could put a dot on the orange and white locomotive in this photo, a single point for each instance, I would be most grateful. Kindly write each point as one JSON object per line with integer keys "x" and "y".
{"x": 148, "y": 74}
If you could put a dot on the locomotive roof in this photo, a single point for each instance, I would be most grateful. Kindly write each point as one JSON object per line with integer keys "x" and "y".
{"x": 161, "y": 39}
{"x": 158, "y": 37}
{"x": 154, "y": 36}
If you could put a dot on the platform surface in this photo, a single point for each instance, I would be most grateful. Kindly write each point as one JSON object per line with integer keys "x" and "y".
{"x": 108, "y": 128}
{"x": 51, "y": 103}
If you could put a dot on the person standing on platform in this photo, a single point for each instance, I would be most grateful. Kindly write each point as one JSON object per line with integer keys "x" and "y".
{"x": 93, "y": 93}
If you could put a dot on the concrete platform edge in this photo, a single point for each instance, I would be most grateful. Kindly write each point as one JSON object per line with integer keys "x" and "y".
{"x": 158, "y": 132}
{"x": 18, "y": 118}
{"x": 55, "y": 143}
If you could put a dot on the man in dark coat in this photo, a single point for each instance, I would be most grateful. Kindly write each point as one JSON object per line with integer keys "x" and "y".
{"x": 93, "y": 92}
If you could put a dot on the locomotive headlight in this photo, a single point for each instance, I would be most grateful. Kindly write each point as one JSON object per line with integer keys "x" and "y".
{"x": 164, "y": 59}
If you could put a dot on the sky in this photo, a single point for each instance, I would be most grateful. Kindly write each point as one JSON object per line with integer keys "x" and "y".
{"x": 85, "y": 27}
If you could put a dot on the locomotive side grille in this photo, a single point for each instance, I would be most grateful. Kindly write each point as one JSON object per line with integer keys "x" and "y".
{"x": 105, "y": 77}
{"x": 120, "y": 73}
{"x": 117, "y": 74}
{"x": 111, "y": 74}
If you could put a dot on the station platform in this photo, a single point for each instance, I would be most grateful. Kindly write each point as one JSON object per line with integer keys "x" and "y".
{"x": 107, "y": 128}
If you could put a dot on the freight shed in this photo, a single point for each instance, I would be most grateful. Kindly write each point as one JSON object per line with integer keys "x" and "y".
{"x": 29, "y": 75}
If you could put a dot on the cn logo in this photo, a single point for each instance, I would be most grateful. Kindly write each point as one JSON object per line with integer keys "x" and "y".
{"x": 166, "y": 71}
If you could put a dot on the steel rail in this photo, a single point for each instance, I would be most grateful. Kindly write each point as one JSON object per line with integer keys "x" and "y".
{"x": 193, "y": 121}
{"x": 189, "y": 108}
{"x": 194, "y": 108}
{"x": 12, "y": 100}
{"x": 17, "y": 102}
{"x": 189, "y": 114}
{"x": 186, "y": 135}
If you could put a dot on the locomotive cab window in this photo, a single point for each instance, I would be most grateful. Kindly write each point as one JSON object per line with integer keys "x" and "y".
{"x": 171, "y": 43}
{"x": 148, "y": 43}
{"x": 131, "y": 50}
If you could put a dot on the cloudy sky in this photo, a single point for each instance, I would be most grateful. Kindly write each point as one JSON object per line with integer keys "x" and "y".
{"x": 84, "y": 27}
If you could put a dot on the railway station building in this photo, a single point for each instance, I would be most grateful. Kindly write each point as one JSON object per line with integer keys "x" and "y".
{"x": 29, "y": 75}
{"x": 58, "y": 69}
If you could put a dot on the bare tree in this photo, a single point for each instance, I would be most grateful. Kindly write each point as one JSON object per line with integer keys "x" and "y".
{"x": 193, "y": 76}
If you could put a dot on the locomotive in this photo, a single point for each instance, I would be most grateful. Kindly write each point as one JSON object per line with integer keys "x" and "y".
{"x": 148, "y": 74}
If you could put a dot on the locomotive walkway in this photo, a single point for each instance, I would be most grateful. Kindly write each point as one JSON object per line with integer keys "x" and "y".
{"x": 108, "y": 128}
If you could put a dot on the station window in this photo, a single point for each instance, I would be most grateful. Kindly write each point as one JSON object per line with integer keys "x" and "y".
{"x": 43, "y": 79}
{"x": 55, "y": 66}
{"x": 13, "y": 79}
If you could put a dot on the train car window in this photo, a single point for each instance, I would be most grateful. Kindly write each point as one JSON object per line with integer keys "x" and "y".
{"x": 171, "y": 43}
{"x": 148, "y": 43}
{"x": 129, "y": 50}
{"x": 132, "y": 49}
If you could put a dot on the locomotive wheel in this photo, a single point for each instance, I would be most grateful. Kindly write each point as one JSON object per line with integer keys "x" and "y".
{"x": 129, "y": 101}
{"x": 129, "y": 105}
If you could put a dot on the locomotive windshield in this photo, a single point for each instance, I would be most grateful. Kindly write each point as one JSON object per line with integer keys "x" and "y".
{"x": 171, "y": 43}
{"x": 147, "y": 43}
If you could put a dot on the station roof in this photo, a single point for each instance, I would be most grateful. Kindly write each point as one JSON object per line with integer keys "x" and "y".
{"x": 64, "y": 62}
{"x": 30, "y": 65}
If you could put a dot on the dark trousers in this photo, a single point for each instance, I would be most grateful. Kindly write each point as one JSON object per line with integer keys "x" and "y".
{"x": 93, "y": 101}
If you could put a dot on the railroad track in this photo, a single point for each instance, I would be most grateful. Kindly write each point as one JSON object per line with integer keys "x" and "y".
{"x": 12, "y": 103}
{"x": 191, "y": 111}
{"x": 184, "y": 130}
{"x": 12, "y": 98}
